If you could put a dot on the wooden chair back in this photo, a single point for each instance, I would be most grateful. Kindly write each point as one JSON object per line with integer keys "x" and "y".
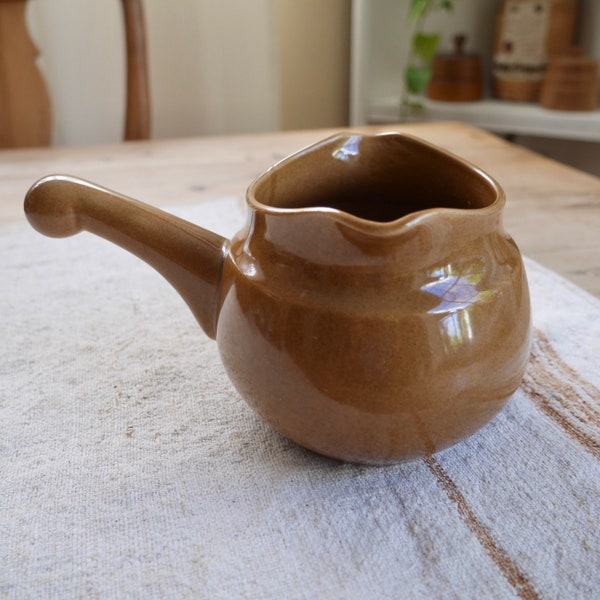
{"x": 25, "y": 107}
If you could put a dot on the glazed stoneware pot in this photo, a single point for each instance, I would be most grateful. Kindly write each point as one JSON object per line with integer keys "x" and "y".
{"x": 372, "y": 309}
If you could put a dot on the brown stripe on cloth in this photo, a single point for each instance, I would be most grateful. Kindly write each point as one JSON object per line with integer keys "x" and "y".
{"x": 543, "y": 349}
{"x": 507, "y": 566}
{"x": 563, "y": 395}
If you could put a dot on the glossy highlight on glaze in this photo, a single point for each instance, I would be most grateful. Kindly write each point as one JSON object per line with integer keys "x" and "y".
{"x": 372, "y": 309}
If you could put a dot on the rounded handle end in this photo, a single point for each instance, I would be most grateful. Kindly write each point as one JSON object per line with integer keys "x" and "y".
{"x": 51, "y": 206}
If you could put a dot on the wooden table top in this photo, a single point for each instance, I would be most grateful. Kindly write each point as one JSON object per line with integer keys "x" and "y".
{"x": 552, "y": 210}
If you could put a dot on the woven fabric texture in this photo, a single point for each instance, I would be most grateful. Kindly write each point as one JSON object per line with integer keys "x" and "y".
{"x": 130, "y": 468}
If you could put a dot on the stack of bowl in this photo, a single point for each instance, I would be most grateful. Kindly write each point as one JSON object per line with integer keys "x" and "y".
{"x": 571, "y": 83}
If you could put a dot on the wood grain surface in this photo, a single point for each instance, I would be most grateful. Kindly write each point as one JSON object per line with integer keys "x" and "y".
{"x": 552, "y": 211}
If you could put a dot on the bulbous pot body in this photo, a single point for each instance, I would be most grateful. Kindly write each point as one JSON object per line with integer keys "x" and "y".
{"x": 387, "y": 326}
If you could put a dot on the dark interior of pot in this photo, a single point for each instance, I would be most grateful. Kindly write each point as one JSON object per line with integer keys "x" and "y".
{"x": 379, "y": 178}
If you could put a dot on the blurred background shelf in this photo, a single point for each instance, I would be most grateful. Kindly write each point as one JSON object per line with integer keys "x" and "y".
{"x": 499, "y": 116}
{"x": 380, "y": 40}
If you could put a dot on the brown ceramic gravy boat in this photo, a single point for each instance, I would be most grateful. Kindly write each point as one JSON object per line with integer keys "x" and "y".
{"x": 372, "y": 309}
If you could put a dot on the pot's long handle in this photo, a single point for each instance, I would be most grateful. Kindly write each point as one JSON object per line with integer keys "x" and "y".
{"x": 189, "y": 257}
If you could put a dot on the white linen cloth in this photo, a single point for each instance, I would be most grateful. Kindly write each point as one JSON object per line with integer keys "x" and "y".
{"x": 130, "y": 468}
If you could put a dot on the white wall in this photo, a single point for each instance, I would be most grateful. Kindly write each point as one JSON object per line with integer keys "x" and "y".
{"x": 314, "y": 62}
{"x": 212, "y": 66}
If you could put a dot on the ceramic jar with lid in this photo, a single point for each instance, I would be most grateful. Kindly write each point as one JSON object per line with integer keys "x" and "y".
{"x": 457, "y": 77}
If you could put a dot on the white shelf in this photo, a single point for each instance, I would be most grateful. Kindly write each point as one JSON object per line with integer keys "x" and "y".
{"x": 500, "y": 117}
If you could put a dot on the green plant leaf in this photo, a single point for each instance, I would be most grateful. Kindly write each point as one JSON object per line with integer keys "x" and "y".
{"x": 425, "y": 45}
{"x": 447, "y": 5}
{"x": 417, "y": 79}
{"x": 417, "y": 8}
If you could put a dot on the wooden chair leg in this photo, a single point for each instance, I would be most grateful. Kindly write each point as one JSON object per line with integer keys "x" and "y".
{"x": 137, "y": 116}
{"x": 25, "y": 111}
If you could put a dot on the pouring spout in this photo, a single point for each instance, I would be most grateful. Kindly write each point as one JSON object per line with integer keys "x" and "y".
{"x": 188, "y": 256}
